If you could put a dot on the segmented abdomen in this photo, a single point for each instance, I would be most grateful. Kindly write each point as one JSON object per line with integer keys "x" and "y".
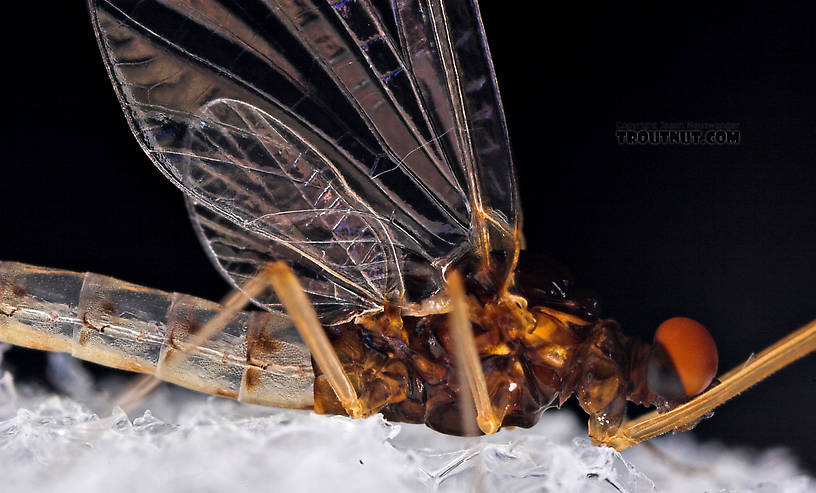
{"x": 257, "y": 358}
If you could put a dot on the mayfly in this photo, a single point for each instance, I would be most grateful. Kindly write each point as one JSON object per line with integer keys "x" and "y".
{"x": 363, "y": 143}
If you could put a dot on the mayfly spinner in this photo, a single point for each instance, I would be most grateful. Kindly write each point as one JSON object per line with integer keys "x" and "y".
{"x": 353, "y": 157}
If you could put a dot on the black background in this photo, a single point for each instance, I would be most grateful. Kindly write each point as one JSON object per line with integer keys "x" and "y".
{"x": 726, "y": 235}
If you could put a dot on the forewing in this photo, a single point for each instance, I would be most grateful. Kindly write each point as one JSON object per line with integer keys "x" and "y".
{"x": 320, "y": 133}
{"x": 445, "y": 48}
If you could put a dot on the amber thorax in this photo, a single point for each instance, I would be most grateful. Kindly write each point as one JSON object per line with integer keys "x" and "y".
{"x": 533, "y": 358}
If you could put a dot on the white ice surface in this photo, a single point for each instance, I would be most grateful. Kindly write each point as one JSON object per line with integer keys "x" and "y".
{"x": 187, "y": 442}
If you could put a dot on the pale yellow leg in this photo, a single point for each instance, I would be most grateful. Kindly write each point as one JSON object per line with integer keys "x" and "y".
{"x": 136, "y": 390}
{"x": 234, "y": 303}
{"x": 297, "y": 305}
{"x": 467, "y": 356}
{"x": 794, "y": 346}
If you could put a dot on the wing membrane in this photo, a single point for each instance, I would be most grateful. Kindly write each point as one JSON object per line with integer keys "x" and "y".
{"x": 492, "y": 167}
{"x": 335, "y": 135}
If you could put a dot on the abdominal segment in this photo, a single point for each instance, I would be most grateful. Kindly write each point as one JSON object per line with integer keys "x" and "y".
{"x": 257, "y": 357}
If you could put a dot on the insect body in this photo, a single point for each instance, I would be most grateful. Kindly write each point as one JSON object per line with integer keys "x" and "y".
{"x": 402, "y": 367}
{"x": 363, "y": 143}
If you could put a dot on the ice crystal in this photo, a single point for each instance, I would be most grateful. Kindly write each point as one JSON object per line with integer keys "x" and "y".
{"x": 181, "y": 441}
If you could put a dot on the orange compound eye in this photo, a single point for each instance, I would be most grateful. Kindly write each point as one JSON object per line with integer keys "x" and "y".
{"x": 683, "y": 360}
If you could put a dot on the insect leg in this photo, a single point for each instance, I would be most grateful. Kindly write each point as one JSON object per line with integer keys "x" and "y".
{"x": 234, "y": 303}
{"x": 467, "y": 356}
{"x": 303, "y": 315}
{"x": 787, "y": 350}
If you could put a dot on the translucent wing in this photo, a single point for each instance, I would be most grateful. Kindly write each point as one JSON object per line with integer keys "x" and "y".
{"x": 363, "y": 141}
{"x": 445, "y": 49}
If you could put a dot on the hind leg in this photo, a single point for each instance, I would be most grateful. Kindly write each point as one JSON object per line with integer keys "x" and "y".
{"x": 297, "y": 305}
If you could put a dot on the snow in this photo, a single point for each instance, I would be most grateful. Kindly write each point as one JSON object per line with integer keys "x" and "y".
{"x": 182, "y": 441}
